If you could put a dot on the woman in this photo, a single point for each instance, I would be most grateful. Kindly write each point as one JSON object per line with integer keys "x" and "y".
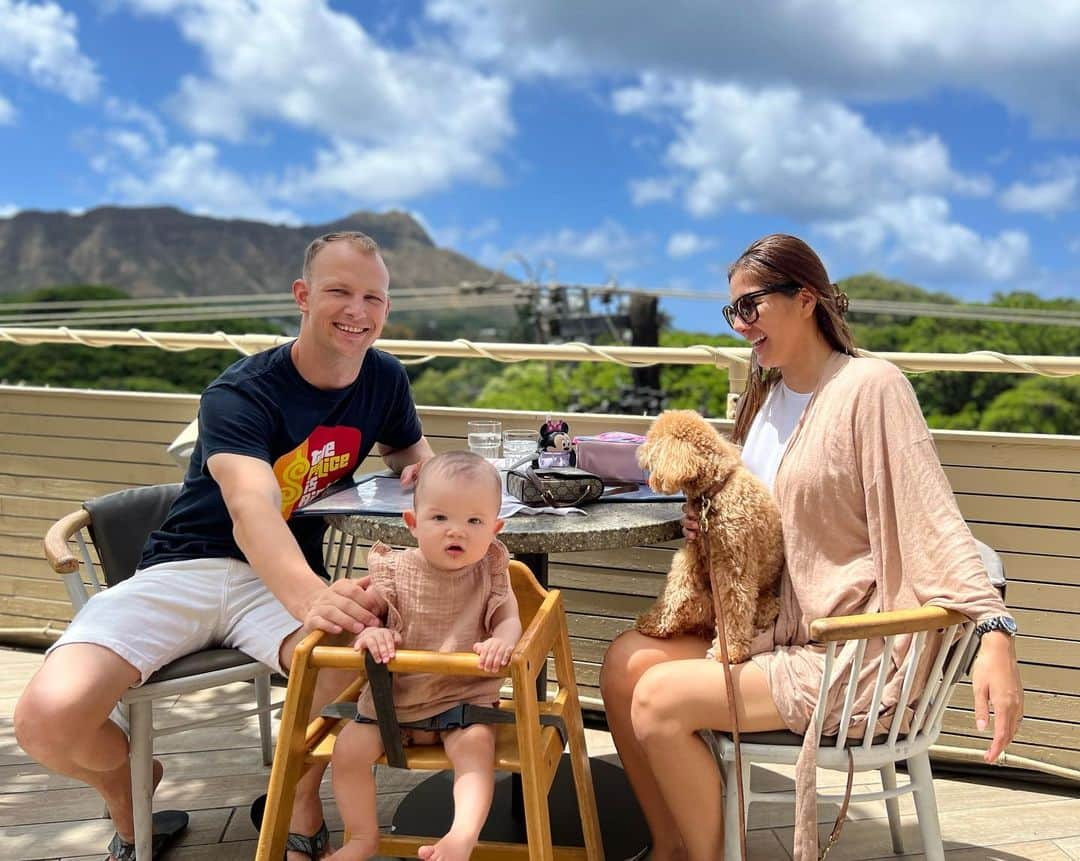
{"x": 870, "y": 524}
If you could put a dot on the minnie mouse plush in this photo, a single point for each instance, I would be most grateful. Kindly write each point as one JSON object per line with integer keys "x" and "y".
{"x": 555, "y": 440}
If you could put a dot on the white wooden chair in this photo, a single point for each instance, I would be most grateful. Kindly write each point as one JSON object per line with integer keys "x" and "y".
{"x": 944, "y": 657}
{"x": 117, "y": 526}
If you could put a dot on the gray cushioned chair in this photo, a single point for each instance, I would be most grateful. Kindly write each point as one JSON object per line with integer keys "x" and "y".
{"x": 117, "y": 526}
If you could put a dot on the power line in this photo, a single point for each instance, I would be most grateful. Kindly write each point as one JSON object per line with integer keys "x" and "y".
{"x": 470, "y": 295}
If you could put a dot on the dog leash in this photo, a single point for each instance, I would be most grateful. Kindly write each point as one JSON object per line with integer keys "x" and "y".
{"x": 838, "y": 825}
{"x": 703, "y": 520}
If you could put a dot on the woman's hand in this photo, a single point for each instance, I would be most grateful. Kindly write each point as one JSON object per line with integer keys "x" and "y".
{"x": 691, "y": 521}
{"x": 995, "y": 678}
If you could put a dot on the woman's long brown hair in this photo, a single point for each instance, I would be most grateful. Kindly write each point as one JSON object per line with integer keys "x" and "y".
{"x": 777, "y": 259}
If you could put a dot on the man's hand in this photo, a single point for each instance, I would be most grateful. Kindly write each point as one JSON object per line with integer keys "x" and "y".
{"x": 380, "y": 642}
{"x": 995, "y": 680}
{"x": 494, "y": 653}
{"x": 410, "y": 474}
{"x": 344, "y": 605}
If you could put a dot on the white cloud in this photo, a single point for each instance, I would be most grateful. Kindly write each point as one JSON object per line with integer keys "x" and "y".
{"x": 455, "y": 236}
{"x": 1074, "y": 245}
{"x": 917, "y": 233}
{"x": 134, "y": 114}
{"x": 192, "y": 177}
{"x": 7, "y": 112}
{"x": 686, "y": 244}
{"x": 7, "y": 210}
{"x": 609, "y": 244}
{"x": 1056, "y": 193}
{"x": 815, "y": 161}
{"x": 39, "y": 41}
{"x": 652, "y": 190}
{"x": 395, "y": 124}
{"x": 784, "y": 152}
{"x": 1022, "y": 54}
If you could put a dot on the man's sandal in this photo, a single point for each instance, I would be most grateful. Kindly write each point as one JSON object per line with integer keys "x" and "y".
{"x": 313, "y": 846}
{"x": 168, "y": 825}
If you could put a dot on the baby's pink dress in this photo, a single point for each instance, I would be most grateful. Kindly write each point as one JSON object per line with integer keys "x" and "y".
{"x": 443, "y": 612}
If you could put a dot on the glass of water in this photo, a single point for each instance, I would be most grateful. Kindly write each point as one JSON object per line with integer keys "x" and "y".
{"x": 519, "y": 444}
{"x": 484, "y": 438}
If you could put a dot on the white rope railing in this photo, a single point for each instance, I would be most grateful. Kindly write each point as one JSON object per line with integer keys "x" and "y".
{"x": 735, "y": 359}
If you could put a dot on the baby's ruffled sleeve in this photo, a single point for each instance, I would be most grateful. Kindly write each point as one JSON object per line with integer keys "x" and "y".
{"x": 496, "y": 569}
{"x": 382, "y": 565}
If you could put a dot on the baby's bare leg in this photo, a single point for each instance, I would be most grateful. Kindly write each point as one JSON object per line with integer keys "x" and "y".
{"x": 355, "y": 751}
{"x": 472, "y": 753}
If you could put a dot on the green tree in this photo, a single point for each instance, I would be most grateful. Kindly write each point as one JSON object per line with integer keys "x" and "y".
{"x": 1037, "y": 405}
{"x": 123, "y": 368}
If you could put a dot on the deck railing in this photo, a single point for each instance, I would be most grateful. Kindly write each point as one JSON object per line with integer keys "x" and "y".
{"x": 1019, "y": 492}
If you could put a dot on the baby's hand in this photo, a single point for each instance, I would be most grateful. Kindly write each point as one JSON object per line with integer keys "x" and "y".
{"x": 381, "y": 642}
{"x": 494, "y": 653}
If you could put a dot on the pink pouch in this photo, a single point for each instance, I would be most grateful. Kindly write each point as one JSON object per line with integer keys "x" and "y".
{"x": 611, "y": 455}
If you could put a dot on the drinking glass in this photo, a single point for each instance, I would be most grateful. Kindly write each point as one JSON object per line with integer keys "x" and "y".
{"x": 518, "y": 444}
{"x": 484, "y": 438}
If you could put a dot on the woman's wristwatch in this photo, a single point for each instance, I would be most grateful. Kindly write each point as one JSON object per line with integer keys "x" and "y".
{"x": 1005, "y": 624}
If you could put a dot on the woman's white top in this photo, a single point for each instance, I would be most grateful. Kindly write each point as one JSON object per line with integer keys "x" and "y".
{"x": 770, "y": 431}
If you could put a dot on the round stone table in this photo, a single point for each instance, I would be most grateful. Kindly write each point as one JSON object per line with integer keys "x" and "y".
{"x": 531, "y": 537}
{"x": 428, "y": 809}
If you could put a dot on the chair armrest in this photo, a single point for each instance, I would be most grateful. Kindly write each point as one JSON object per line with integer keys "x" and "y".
{"x": 57, "y": 552}
{"x": 537, "y": 641}
{"x": 865, "y": 625}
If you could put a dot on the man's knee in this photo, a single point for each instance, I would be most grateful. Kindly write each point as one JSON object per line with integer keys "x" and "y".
{"x": 71, "y": 695}
{"x": 49, "y": 718}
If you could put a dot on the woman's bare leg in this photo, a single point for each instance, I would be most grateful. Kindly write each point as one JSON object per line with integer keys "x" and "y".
{"x": 627, "y": 659}
{"x": 472, "y": 753}
{"x": 355, "y": 751}
{"x": 671, "y": 702}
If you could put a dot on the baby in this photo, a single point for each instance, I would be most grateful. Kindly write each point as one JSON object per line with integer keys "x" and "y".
{"x": 451, "y": 594}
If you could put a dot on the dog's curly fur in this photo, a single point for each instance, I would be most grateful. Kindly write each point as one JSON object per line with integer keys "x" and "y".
{"x": 685, "y": 453}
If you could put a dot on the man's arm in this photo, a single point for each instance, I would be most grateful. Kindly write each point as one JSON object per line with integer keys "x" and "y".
{"x": 406, "y": 462}
{"x": 253, "y": 498}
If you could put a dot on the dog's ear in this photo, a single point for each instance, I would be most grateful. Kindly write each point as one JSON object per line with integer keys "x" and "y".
{"x": 670, "y": 460}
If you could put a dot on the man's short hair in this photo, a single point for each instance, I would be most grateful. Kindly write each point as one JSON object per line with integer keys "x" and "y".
{"x": 362, "y": 241}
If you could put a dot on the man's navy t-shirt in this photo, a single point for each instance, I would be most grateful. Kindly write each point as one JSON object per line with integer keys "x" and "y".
{"x": 311, "y": 437}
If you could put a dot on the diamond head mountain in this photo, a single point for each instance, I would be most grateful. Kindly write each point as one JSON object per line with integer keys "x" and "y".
{"x": 162, "y": 251}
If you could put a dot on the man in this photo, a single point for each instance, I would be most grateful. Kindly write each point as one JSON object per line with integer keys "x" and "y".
{"x": 230, "y": 564}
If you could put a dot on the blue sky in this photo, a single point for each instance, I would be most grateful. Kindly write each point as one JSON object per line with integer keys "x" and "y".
{"x": 650, "y": 142}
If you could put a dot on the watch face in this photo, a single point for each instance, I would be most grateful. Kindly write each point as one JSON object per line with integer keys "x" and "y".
{"x": 1009, "y": 625}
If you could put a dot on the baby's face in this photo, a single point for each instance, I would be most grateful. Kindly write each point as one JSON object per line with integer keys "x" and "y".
{"x": 455, "y": 522}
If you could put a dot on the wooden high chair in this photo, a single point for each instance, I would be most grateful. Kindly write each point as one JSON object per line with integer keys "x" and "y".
{"x": 525, "y": 746}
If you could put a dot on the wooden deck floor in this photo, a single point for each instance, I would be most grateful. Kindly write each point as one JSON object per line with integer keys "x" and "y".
{"x": 215, "y": 773}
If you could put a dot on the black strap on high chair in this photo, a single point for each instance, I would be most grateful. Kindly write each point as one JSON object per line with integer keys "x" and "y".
{"x": 456, "y": 717}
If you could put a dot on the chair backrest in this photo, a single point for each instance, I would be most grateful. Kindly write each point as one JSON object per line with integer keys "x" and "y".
{"x": 994, "y": 566}
{"x": 121, "y": 522}
{"x": 528, "y": 591}
{"x": 929, "y": 676}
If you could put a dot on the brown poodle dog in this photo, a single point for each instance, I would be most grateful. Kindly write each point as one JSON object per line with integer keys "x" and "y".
{"x": 685, "y": 453}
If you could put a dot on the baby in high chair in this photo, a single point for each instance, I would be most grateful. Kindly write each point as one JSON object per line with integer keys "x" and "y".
{"x": 450, "y": 594}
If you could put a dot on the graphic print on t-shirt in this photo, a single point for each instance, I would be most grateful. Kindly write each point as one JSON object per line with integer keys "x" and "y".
{"x": 329, "y": 453}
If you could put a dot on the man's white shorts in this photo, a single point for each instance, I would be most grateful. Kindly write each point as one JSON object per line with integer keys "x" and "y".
{"x": 170, "y": 610}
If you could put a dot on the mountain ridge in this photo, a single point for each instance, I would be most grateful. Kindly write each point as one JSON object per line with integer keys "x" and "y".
{"x": 164, "y": 251}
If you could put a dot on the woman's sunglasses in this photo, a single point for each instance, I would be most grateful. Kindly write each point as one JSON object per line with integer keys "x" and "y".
{"x": 746, "y": 306}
